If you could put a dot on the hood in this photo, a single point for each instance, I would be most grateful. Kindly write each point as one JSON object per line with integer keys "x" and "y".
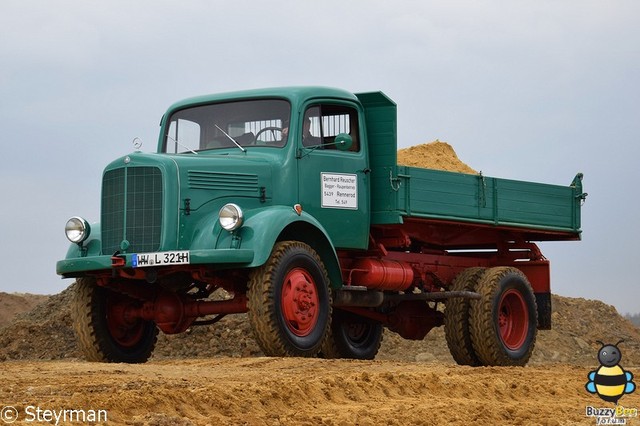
{"x": 206, "y": 178}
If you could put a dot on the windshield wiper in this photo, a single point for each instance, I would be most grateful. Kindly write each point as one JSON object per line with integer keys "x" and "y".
{"x": 182, "y": 146}
{"x": 232, "y": 139}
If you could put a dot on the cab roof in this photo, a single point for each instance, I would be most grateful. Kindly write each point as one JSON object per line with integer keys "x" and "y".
{"x": 294, "y": 94}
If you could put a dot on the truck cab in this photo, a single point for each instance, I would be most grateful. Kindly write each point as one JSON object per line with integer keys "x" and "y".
{"x": 302, "y": 136}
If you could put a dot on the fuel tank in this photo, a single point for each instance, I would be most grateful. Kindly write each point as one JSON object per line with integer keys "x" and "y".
{"x": 382, "y": 274}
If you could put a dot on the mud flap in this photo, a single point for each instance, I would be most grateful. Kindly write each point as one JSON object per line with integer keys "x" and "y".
{"x": 543, "y": 301}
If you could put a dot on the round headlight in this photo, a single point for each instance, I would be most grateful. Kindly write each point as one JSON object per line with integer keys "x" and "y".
{"x": 77, "y": 230}
{"x": 231, "y": 217}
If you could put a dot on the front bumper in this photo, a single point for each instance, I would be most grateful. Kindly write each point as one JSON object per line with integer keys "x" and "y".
{"x": 224, "y": 257}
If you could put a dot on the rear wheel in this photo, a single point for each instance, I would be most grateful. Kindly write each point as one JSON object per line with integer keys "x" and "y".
{"x": 103, "y": 330}
{"x": 352, "y": 336}
{"x": 504, "y": 321}
{"x": 456, "y": 318}
{"x": 289, "y": 301}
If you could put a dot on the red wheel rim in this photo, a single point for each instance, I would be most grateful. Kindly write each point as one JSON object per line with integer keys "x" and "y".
{"x": 300, "y": 302}
{"x": 513, "y": 319}
{"x": 124, "y": 331}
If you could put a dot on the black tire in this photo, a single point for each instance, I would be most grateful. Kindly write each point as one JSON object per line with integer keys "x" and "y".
{"x": 101, "y": 336}
{"x": 289, "y": 301}
{"x": 504, "y": 321}
{"x": 352, "y": 336}
{"x": 456, "y": 318}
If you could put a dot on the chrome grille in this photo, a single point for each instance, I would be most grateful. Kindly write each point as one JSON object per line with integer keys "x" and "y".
{"x": 132, "y": 209}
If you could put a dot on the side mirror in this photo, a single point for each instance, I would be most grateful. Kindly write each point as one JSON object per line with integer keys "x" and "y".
{"x": 343, "y": 141}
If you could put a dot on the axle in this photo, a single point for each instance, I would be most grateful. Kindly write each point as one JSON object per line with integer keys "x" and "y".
{"x": 174, "y": 314}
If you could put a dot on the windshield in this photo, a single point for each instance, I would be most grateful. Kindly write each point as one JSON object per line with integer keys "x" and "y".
{"x": 228, "y": 125}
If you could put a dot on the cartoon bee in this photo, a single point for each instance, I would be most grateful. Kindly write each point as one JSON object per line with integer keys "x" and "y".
{"x": 610, "y": 381}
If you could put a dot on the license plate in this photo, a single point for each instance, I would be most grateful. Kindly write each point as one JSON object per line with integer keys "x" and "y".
{"x": 142, "y": 260}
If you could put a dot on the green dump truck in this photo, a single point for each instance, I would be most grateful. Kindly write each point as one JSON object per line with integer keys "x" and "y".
{"x": 291, "y": 200}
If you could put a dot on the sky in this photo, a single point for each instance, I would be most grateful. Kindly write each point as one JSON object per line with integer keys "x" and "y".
{"x": 527, "y": 90}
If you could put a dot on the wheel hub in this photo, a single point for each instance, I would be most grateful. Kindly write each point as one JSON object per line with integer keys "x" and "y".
{"x": 124, "y": 330}
{"x": 300, "y": 302}
{"x": 513, "y": 319}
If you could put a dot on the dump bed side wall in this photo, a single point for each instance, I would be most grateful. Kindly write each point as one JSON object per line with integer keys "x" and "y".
{"x": 445, "y": 195}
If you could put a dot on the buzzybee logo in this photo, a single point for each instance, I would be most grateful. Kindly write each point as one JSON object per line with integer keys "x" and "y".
{"x": 610, "y": 381}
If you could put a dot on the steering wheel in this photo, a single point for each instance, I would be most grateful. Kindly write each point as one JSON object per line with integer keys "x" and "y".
{"x": 266, "y": 129}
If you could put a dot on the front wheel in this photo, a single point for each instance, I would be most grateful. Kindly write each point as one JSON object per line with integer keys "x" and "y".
{"x": 289, "y": 301}
{"x": 352, "y": 336}
{"x": 504, "y": 321}
{"x": 103, "y": 330}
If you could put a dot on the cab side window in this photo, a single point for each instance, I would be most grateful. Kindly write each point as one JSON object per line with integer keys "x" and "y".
{"x": 322, "y": 123}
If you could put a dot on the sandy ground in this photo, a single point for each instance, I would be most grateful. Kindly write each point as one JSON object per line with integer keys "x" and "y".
{"x": 293, "y": 391}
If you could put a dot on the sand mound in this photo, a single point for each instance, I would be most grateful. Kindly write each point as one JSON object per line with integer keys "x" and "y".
{"x": 44, "y": 332}
{"x": 435, "y": 155}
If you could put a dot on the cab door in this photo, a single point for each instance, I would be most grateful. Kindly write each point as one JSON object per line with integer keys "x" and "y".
{"x": 334, "y": 181}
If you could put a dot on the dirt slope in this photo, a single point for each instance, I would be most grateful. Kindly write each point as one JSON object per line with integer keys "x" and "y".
{"x": 12, "y": 304}
{"x": 45, "y": 332}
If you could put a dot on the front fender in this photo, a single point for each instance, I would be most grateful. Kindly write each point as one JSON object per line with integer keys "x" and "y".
{"x": 263, "y": 227}
{"x": 92, "y": 246}
{"x": 261, "y": 230}
{"x": 77, "y": 255}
